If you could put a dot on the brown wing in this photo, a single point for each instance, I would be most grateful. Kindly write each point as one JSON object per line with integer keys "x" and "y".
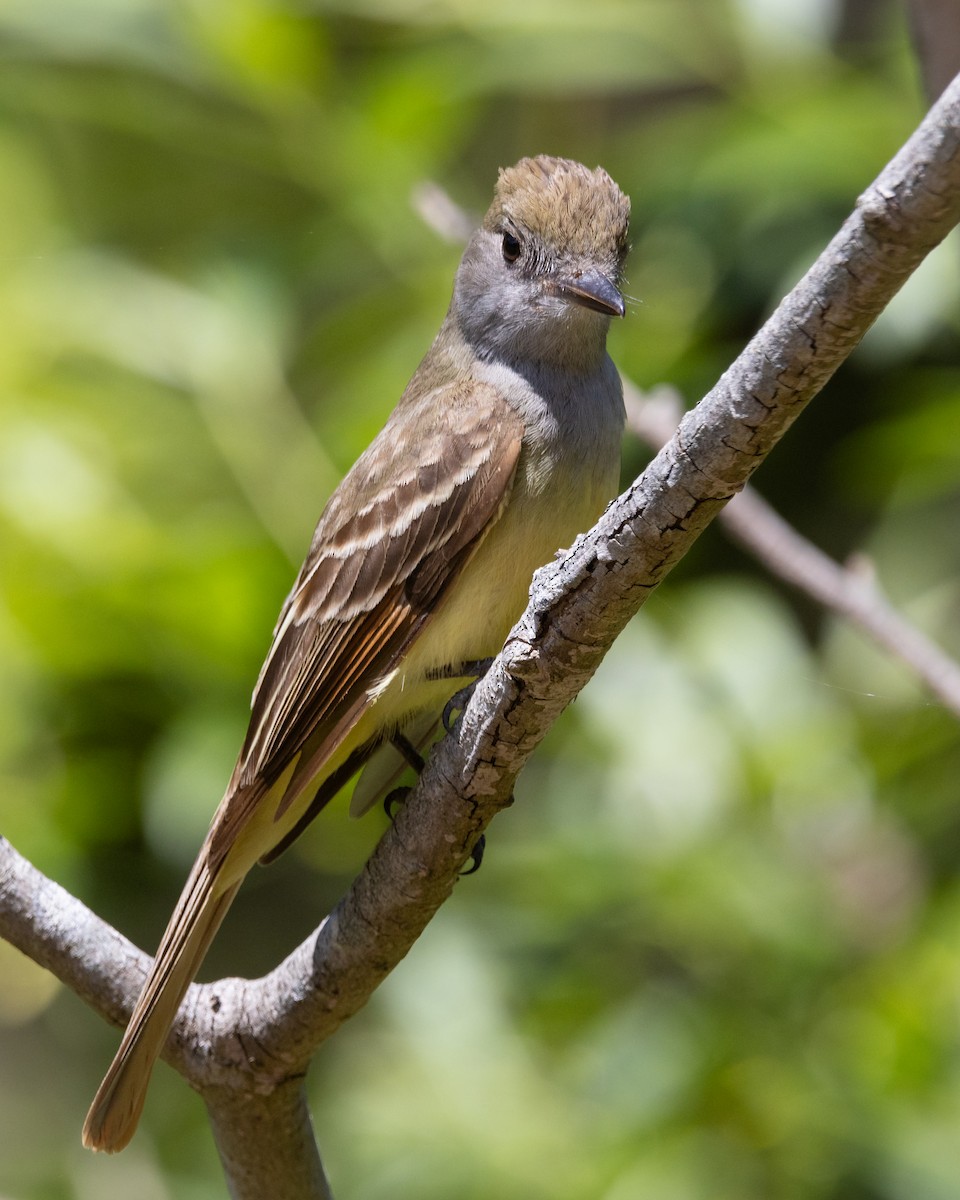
{"x": 392, "y": 538}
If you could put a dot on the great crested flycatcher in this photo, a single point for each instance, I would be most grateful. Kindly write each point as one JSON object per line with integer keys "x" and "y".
{"x": 504, "y": 446}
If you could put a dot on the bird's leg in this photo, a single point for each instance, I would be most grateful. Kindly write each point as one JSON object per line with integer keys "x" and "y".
{"x": 472, "y": 667}
{"x": 406, "y": 749}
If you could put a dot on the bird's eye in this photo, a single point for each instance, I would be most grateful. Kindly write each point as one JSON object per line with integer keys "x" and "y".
{"x": 511, "y": 248}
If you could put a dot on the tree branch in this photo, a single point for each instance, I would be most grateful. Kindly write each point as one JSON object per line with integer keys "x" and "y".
{"x": 285, "y": 1162}
{"x": 236, "y": 1039}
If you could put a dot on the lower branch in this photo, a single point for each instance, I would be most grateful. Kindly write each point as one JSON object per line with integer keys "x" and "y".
{"x": 60, "y": 933}
{"x": 267, "y": 1143}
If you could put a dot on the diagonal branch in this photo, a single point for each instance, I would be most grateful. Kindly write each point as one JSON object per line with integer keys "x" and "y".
{"x": 257, "y": 1037}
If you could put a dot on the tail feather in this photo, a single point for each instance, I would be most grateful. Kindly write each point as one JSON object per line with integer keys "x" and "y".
{"x": 116, "y": 1108}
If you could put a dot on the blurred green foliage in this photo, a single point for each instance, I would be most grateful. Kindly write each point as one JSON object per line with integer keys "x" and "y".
{"x": 715, "y": 948}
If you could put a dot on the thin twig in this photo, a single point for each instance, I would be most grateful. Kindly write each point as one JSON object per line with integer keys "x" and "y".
{"x": 851, "y": 591}
{"x": 935, "y": 26}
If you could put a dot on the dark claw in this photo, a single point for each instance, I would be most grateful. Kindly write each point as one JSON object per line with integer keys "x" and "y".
{"x": 476, "y": 855}
{"x": 460, "y": 699}
{"x": 457, "y": 703}
{"x": 392, "y": 800}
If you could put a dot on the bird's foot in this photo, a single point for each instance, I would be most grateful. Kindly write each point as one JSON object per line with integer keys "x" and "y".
{"x": 473, "y": 670}
{"x": 397, "y": 796}
{"x": 393, "y": 799}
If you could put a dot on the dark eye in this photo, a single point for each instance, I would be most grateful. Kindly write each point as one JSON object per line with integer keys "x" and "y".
{"x": 511, "y": 248}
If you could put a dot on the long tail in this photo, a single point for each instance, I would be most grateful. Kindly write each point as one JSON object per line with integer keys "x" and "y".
{"x": 116, "y": 1108}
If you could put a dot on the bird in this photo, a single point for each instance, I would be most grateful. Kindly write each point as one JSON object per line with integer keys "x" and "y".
{"x": 503, "y": 447}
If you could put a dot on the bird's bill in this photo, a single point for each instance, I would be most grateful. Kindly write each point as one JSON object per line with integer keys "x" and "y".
{"x": 592, "y": 290}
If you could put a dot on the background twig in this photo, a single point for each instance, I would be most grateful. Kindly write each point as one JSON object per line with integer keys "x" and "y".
{"x": 851, "y": 591}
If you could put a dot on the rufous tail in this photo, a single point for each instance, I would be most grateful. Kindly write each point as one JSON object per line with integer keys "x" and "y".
{"x": 116, "y": 1108}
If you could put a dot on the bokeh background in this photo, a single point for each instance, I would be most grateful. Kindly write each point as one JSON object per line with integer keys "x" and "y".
{"x": 714, "y": 950}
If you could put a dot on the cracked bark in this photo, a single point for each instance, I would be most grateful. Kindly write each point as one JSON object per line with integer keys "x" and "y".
{"x": 578, "y": 606}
